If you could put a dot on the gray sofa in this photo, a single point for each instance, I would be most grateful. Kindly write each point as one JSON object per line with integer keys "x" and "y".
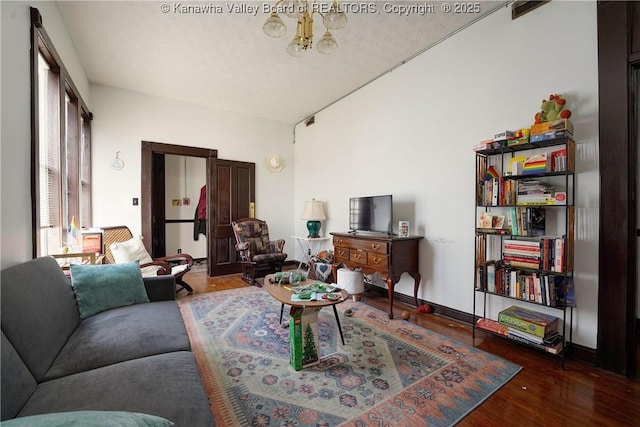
{"x": 135, "y": 358}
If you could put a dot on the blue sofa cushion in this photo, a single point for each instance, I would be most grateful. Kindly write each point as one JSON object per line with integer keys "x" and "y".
{"x": 90, "y": 419}
{"x": 101, "y": 287}
{"x": 38, "y": 311}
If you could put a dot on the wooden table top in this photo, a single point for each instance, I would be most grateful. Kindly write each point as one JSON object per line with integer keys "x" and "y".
{"x": 283, "y": 294}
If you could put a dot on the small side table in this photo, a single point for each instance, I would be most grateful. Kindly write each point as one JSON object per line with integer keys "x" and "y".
{"x": 310, "y": 246}
{"x": 77, "y": 257}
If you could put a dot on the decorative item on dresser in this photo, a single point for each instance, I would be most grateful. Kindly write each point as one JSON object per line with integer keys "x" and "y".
{"x": 390, "y": 256}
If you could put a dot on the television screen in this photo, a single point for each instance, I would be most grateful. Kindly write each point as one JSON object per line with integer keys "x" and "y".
{"x": 373, "y": 213}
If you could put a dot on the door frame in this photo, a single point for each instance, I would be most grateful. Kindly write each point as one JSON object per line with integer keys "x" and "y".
{"x": 148, "y": 150}
{"x": 618, "y": 55}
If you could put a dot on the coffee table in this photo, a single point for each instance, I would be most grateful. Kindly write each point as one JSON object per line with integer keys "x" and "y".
{"x": 283, "y": 294}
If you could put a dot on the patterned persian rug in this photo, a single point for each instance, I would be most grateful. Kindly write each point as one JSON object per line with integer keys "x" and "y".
{"x": 389, "y": 373}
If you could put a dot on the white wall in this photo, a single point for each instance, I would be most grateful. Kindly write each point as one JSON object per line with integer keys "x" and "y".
{"x": 411, "y": 132}
{"x": 15, "y": 173}
{"x": 122, "y": 119}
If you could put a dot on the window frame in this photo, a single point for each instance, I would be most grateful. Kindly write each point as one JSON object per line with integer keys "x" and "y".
{"x": 75, "y": 189}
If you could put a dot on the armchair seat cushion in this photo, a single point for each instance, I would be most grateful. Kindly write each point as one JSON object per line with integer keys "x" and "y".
{"x": 269, "y": 257}
{"x": 177, "y": 269}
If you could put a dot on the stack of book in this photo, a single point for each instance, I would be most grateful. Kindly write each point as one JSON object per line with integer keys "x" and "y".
{"x": 531, "y": 327}
{"x": 532, "y": 192}
{"x": 521, "y": 253}
{"x": 553, "y": 345}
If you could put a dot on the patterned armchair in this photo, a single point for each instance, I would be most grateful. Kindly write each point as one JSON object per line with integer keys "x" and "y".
{"x": 259, "y": 255}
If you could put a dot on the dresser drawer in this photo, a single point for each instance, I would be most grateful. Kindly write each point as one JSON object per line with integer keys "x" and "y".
{"x": 377, "y": 260}
{"x": 341, "y": 254}
{"x": 344, "y": 242}
{"x": 358, "y": 257}
{"x": 365, "y": 245}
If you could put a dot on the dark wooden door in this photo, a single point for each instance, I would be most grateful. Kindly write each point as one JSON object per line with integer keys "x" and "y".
{"x": 158, "y": 239}
{"x": 234, "y": 198}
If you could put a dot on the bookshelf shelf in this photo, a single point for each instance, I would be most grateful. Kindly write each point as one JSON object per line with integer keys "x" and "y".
{"x": 529, "y": 258}
{"x": 557, "y": 307}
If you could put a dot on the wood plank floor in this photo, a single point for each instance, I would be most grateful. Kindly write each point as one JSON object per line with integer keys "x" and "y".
{"x": 542, "y": 394}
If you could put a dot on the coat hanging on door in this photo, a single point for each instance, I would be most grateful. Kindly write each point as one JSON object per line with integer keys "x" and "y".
{"x": 200, "y": 218}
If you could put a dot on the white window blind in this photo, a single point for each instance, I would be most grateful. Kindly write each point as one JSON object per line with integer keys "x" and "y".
{"x": 49, "y": 156}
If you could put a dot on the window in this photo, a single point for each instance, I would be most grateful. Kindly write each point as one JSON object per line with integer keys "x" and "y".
{"x": 62, "y": 150}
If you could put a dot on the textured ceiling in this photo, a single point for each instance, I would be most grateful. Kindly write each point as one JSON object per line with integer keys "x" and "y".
{"x": 220, "y": 57}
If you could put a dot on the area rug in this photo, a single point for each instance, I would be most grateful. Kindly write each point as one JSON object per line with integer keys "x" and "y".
{"x": 389, "y": 373}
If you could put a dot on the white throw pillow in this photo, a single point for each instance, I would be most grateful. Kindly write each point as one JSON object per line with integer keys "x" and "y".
{"x": 133, "y": 250}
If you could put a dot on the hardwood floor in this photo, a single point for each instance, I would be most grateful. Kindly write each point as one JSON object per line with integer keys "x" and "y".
{"x": 542, "y": 394}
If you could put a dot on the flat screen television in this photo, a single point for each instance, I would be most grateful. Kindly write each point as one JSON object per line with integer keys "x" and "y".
{"x": 372, "y": 213}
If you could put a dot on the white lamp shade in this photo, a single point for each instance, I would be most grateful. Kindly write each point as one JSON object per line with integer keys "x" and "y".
{"x": 313, "y": 211}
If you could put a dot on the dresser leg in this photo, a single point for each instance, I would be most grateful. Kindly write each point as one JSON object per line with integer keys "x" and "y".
{"x": 390, "y": 285}
{"x": 416, "y": 284}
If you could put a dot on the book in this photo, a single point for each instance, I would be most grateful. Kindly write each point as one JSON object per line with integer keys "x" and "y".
{"x": 493, "y": 326}
{"x": 553, "y": 345}
{"x": 529, "y": 338}
{"x": 515, "y": 165}
{"x": 537, "y": 216}
{"x": 530, "y": 321}
{"x": 491, "y": 276}
{"x": 537, "y": 163}
{"x": 564, "y": 291}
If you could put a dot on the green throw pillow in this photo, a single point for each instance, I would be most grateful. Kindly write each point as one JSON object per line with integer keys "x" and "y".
{"x": 101, "y": 287}
{"x": 89, "y": 419}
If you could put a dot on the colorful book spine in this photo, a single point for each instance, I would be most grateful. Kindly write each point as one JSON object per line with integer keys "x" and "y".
{"x": 554, "y": 347}
{"x": 493, "y": 326}
{"x": 529, "y": 321}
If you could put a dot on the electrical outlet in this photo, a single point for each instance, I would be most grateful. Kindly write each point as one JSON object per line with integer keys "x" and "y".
{"x": 179, "y": 250}
{"x": 135, "y": 201}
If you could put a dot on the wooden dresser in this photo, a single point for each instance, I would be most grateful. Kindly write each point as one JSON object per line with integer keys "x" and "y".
{"x": 388, "y": 255}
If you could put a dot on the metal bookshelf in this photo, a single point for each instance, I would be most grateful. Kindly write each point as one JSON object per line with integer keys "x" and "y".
{"x": 489, "y": 247}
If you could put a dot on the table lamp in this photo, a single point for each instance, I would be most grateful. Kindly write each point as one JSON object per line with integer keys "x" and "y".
{"x": 314, "y": 213}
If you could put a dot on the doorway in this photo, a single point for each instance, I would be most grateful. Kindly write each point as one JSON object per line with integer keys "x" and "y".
{"x": 230, "y": 192}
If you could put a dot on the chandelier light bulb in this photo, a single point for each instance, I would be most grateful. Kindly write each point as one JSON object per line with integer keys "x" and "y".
{"x": 274, "y": 27}
{"x": 335, "y": 19}
{"x": 295, "y": 48}
{"x": 327, "y": 44}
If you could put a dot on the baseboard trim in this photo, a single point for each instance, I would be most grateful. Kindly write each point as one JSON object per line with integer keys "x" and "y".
{"x": 578, "y": 352}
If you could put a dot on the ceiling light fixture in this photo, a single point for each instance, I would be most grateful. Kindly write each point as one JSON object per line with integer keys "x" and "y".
{"x": 333, "y": 18}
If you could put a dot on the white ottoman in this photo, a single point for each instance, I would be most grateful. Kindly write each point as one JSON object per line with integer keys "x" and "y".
{"x": 351, "y": 281}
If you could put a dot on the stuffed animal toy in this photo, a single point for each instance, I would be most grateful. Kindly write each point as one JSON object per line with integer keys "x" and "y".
{"x": 552, "y": 109}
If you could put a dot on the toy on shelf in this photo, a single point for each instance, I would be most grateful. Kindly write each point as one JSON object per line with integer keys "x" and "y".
{"x": 552, "y": 109}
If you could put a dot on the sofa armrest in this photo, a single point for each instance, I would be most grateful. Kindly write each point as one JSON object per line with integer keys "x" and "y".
{"x": 160, "y": 288}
